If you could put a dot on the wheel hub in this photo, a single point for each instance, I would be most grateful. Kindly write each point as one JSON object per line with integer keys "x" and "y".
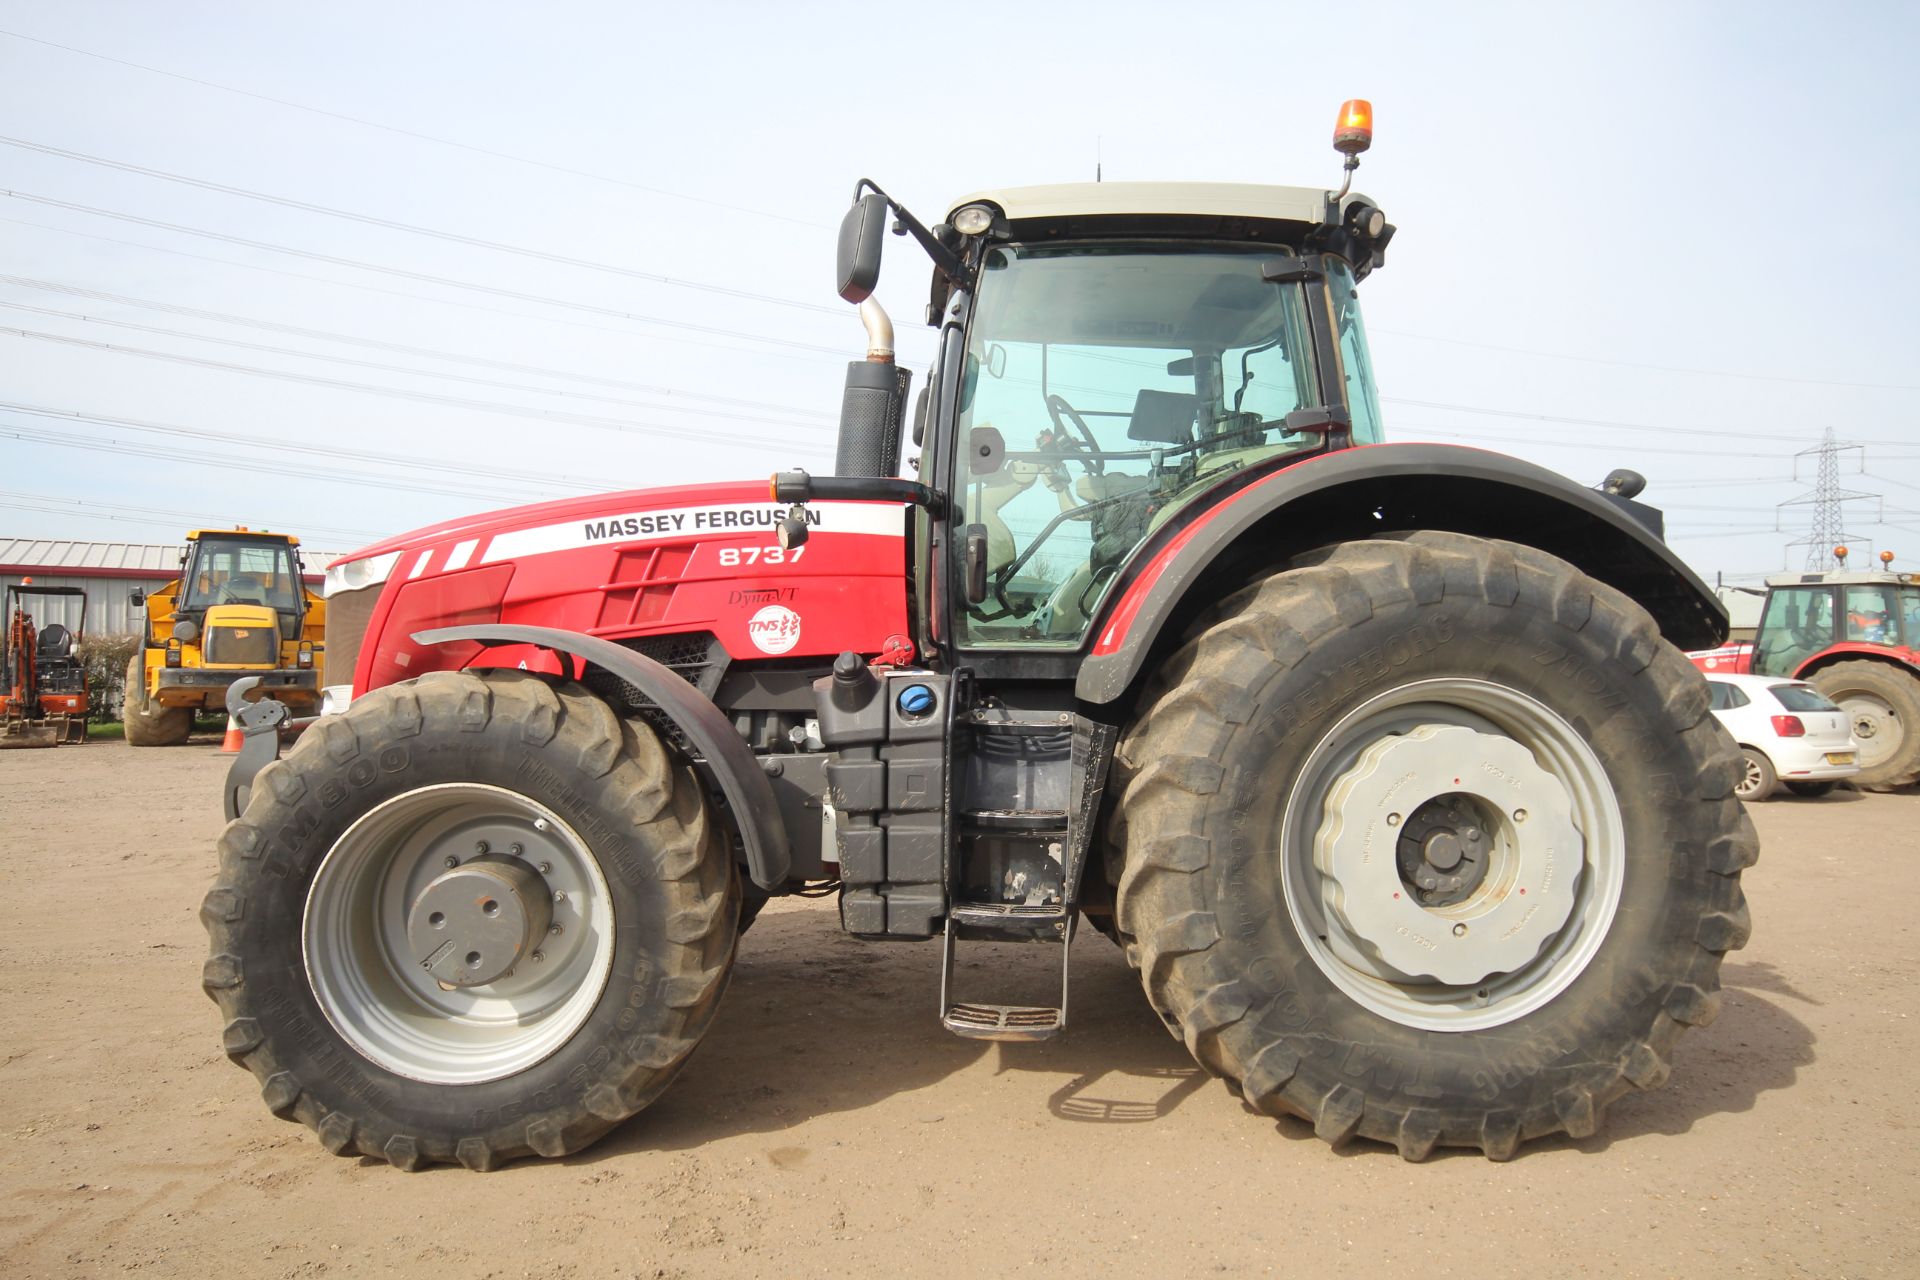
{"x": 1447, "y": 855}
{"x": 471, "y": 924}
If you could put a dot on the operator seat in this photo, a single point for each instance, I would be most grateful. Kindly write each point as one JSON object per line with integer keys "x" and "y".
{"x": 55, "y": 643}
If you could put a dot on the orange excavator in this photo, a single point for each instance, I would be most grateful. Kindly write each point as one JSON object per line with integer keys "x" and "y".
{"x": 43, "y": 702}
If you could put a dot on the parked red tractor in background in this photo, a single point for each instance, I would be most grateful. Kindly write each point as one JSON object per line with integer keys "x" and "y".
{"x": 1855, "y": 636}
{"x": 1380, "y": 763}
{"x": 43, "y": 686}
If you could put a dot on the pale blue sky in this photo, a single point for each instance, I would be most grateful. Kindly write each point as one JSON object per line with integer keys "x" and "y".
{"x": 1713, "y": 189}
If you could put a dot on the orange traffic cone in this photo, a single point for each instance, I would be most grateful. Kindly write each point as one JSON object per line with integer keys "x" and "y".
{"x": 230, "y": 745}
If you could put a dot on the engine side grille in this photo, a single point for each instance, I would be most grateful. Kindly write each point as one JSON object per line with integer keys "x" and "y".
{"x": 348, "y": 613}
{"x": 254, "y": 646}
{"x": 696, "y": 656}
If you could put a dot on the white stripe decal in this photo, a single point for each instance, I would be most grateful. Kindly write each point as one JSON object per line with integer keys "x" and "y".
{"x": 420, "y": 565}
{"x": 461, "y": 553}
{"x": 662, "y": 525}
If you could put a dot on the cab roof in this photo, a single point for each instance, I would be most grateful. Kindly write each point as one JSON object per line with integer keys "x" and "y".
{"x": 1197, "y": 199}
{"x": 1845, "y": 578}
{"x": 265, "y": 535}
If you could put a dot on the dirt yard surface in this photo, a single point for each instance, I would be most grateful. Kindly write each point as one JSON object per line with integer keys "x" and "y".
{"x": 829, "y": 1126}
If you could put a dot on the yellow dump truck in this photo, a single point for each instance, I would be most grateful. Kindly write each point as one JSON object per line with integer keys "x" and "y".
{"x": 240, "y": 607}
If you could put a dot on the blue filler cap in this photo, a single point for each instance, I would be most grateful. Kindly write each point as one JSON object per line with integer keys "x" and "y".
{"x": 915, "y": 700}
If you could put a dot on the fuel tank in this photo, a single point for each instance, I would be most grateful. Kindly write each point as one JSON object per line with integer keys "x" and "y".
{"x": 701, "y": 562}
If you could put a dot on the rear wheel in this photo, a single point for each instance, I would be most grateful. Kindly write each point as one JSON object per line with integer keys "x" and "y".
{"x": 1757, "y": 778}
{"x": 1431, "y": 840}
{"x": 147, "y": 723}
{"x": 1883, "y": 702}
{"x": 474, "y": 917}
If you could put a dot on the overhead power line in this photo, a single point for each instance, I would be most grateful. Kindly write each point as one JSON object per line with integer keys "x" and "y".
{"x": 1636, "y": 364}
{"x": 357, "y": 340}
{"x": 389, "y": 224}
{"x": 451, "y": 465}
{"x": 97, "y": 509}
{"x": 729, "y": 415}
{"x": 426, "y": 137}
{"x": 421, "y": 276}
{"x": 807, "y": 353}
{"x": 595, "y": 421}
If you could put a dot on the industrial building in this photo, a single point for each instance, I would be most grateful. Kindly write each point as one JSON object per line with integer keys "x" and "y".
{"x": 109, "y": 572}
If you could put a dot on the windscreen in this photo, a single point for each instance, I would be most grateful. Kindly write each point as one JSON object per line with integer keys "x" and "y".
{"x": 239, "y": 571}
{"x": 1104, "y": 387}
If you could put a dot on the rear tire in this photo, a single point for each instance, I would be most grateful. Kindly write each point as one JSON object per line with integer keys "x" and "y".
{"x": 1883, "y": 702}
{"x": 320, "y": 895}
{"x": 1758, "y": 781}
{"x": 146, "y": 723}
{"x": 1812, "y": 790}
{"x": 1244, "y": 761}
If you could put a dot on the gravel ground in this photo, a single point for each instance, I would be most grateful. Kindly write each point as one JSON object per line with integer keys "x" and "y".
{"x": 828, "y": 1125}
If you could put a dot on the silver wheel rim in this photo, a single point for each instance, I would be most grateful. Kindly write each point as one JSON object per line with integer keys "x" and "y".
{"x": 1876, "y": 729}
{"x": 360, "y": 962}
{"x": 1364, "y": 940}
{"x": 1751, "y": 778}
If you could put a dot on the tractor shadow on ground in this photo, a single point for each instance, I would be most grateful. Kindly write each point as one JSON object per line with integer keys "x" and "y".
{"x": 1756, "y": 1046}
{"x": 817, "y": 1023}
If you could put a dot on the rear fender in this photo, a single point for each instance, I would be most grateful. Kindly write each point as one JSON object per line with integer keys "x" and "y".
{"x": 755, "y": 812}
{"x": 1357, "y": 493}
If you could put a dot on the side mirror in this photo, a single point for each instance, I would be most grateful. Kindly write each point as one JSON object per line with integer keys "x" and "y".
{"x": 996, "y": 360}
{"x": 138, "y": 599}
{"x": 860, "y": 243}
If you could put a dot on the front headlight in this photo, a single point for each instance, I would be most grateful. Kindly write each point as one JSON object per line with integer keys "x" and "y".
{"x": 351, "y": 575}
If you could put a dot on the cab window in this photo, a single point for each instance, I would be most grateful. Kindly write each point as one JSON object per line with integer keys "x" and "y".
{"x": 1797, "y": 624}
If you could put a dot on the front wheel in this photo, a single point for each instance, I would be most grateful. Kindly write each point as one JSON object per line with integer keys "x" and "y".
{"x": 474, "y": 917}
{"x": 1430, "y": 839}
{"x": 146, "y": 723}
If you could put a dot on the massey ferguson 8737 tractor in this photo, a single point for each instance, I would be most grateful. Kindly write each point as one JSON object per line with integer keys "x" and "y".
{"x": 1380, "y": 761}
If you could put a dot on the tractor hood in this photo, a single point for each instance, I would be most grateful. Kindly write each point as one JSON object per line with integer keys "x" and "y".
{"x": 701, "y": 563}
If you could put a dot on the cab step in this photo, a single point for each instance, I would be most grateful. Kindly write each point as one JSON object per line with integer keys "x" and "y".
{"x": 977, "y": 1020}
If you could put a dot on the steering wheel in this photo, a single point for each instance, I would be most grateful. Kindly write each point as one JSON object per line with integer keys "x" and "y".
{"x": 1057, "y": 409}
{"x": 241, "y": 589}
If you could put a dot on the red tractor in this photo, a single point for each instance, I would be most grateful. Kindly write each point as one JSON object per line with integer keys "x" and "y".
{"x": 1379, "y": 760}
{"x": 1855, "y": 636}
{"x": 43, "y": 686}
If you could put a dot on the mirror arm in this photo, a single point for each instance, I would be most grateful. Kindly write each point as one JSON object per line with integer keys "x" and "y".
{"x": 944, "y": 259}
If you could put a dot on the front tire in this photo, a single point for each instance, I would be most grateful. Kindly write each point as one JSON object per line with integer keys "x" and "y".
{"x": 473, "y": 918}
{"x": 1291, "y": 750}
{"x": 146, "y": 723}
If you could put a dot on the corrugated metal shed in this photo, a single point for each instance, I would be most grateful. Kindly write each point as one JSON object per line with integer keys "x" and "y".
{"x": 108, "y": 572}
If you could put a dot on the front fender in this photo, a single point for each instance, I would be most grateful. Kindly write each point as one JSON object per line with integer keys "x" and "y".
{"x": 1359, "y": 492}
{"x": 756, "y": 813}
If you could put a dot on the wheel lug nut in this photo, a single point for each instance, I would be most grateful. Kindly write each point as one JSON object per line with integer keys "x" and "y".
{"x": 480, "y": 847}
{"x": 546, "y": 868}
{"x": 452, "y": 861}
{"x": 537, "y": 957}
{"x": 556, "y": 930}
{"x": 516, "y": 849}
{"x": 559, "y": 895}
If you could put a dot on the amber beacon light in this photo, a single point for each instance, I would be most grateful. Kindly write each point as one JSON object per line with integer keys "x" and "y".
{"x": 1353, "y": 132}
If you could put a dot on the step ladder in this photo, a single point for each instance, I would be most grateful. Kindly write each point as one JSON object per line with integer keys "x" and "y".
{"x": 1051, "y": 924}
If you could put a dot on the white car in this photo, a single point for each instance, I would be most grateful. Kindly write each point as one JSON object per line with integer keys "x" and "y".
{"x": 1788, "y": 731}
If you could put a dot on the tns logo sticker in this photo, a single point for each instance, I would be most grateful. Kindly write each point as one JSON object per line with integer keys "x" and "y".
{"x": 775, "y": 629}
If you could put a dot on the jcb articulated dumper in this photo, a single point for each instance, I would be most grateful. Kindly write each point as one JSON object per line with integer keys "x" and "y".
{"x": 239, "y": 608}
{"x": 1381, "y": 761}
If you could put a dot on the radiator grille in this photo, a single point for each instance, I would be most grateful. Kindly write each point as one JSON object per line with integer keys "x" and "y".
{"x": 348, "y": 613}
{"x": 254, "y": 646}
